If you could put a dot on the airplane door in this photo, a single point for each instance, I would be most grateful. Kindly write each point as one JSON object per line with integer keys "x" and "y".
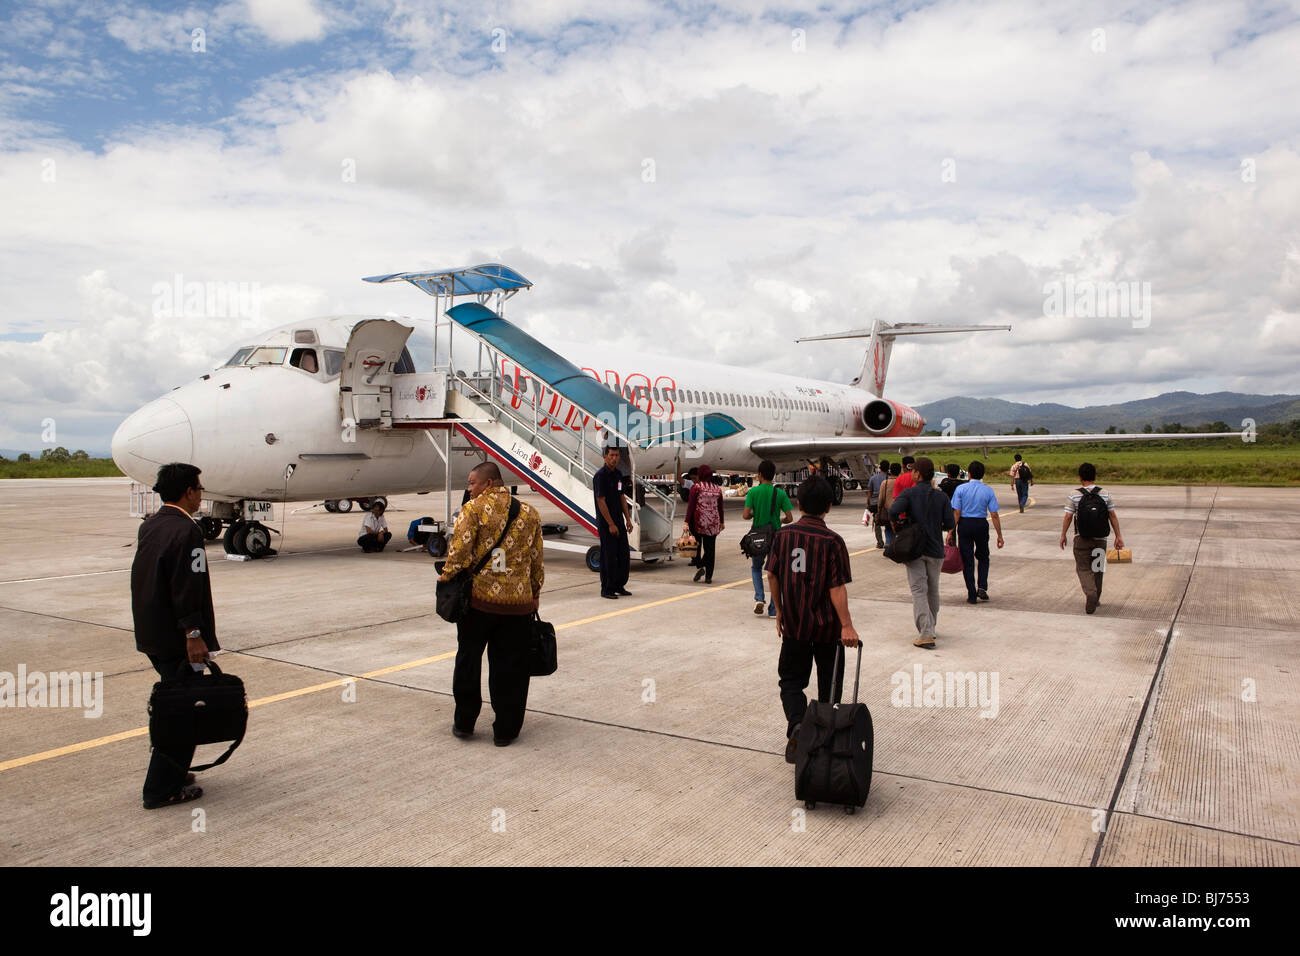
{"x": 839, "y": 416}
{"x": 366, "y": 385}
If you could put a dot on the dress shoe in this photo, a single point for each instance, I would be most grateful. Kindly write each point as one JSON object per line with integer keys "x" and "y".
{"x": 612, "y": 597}
{"x": 792, "y": 745}
{"x": 982, "y": 594}
{"x": 503, "y": 741}
{"x": 462, "y": 734}
{"x": 972, "y": 600}
{"x": 699, "y": 574}
{"x": 624, "y": 592}
{"x": 183, "y": 795}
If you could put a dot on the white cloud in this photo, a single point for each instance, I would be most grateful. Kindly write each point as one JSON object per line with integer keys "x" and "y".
{"x": 793, "y": 193}
{"x": 287, "y": 21}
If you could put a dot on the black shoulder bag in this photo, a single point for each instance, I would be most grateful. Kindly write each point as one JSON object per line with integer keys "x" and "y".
{"x": 909, "y": 540}
{"x": 193, "y": 708}
{"x": 452, "y": 601}
{"x": 758, "y": 542}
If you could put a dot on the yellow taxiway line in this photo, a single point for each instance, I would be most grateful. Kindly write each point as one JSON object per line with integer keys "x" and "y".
{"x": 17, "y": 762}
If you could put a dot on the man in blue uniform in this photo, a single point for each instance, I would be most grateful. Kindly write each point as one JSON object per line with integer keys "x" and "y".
{"x": 970, "y": 503}
{"x": 615, "y": 516}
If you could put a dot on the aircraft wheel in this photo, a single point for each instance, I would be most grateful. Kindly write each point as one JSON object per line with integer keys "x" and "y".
{"x": 256, "y": 540}
{"x": 837, "y": 492}
{"x": 211, "y": 527}
{"x": 233, "y": 541}
{"x": 363, "y": 504}
{"x": 331, "y": 506}
{"x": 437, "y": 545}
{"x": 851, "y": 484}
{"x": 343, "y": 505}
{"x": 593, "y": 558}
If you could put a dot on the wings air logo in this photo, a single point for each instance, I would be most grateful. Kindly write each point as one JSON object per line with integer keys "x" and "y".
{"x": 421, "y": 393}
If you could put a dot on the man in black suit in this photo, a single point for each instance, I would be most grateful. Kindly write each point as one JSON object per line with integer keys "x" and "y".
{"x": 171, "y": 603}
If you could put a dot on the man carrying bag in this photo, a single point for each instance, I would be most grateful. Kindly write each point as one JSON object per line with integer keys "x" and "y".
{"x": 769, "y": 507}
{"x": 919, "y": 545}
{"x": 497, "y": 545}
{"x": 171, "y": 607}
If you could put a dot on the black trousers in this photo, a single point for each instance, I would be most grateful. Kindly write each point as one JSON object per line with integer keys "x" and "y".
{"x": 708, "y": 553}
{"x": 374, "y": 542}
{"x": 168, "y": 768}
{"x": 973, "y": 542}
{"x": 615, "y": 560}
{"x": 794, "y": 670}
{"x": 506, "y": 637}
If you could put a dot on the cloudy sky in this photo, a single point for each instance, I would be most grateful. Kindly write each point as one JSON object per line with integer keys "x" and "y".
{"x": 710, "y": 178}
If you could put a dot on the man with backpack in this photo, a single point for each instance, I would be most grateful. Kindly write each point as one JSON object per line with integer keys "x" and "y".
{"x": 929, "y": 509}
{"x": 1093, "y": 513}
{"x": 1021, "y": 479}
{"x": 769, "y": 507}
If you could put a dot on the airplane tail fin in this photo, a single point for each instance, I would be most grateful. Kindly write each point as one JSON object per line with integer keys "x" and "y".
{"x": 875, "y": 364}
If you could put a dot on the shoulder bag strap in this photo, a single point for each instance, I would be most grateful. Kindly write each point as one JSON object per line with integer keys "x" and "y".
{"x": 510, "y": 517}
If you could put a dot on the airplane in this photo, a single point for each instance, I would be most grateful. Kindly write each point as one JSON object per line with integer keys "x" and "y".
{"x": 334, "y": 409}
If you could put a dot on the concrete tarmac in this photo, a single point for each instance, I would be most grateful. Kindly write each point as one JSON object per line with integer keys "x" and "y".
{"x": 1164, "y": 730}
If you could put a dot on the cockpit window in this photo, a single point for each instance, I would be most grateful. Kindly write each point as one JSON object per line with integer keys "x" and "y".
{"x": 267, "y": 356}
{"x": 333, "y": 362}
{"x": 238, "y": 357}
{"x": 305, "y": 359}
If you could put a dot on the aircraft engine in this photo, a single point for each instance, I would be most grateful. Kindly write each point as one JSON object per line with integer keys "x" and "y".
{"x": 888, "y": 419}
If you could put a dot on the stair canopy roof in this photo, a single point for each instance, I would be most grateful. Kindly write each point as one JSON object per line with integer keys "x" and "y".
{"x": 562, "y": 376}
{"x": 484, "y": 279}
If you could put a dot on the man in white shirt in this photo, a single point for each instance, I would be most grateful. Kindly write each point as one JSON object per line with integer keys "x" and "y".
{"x": 374, "y": 530}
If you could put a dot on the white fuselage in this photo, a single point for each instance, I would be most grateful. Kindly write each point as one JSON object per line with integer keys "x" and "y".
{"x": 244, "y": 425}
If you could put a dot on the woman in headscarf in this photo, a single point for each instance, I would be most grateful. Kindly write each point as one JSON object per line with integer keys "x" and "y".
{"x": 704, "y": 519}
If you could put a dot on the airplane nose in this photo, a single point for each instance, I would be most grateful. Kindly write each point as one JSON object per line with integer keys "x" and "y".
{"x": 155, "y": 435}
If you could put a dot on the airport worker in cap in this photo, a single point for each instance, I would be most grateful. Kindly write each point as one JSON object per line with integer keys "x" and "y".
{"x": 171, "y": 608}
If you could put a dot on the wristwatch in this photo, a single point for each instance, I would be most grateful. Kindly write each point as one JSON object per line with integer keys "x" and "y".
{"x": 193, "y": 634}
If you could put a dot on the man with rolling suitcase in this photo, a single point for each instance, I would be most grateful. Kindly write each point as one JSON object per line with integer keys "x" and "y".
{"x": 807, "y": 571}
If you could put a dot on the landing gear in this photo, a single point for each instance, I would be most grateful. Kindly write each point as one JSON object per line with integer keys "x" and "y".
{"x": 210, "y": 526}
{"x": 233, "y": 541}
{"x": 837, "y": 491}
{"x": 339, "y": 506}
{"x": 256, "y": 541}
{"x": 331, "y": 506}
{"x": 248, "y": 538}
{"x": 593, "y": 558}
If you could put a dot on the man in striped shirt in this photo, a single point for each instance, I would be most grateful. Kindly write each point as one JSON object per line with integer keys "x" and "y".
{"x": 807, "y": 570}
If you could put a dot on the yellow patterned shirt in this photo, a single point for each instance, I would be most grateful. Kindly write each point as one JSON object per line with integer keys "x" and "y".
{"x": 511, "y": 580}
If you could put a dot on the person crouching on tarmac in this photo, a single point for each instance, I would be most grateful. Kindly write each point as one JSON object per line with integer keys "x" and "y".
{"x": 374, "y": 530}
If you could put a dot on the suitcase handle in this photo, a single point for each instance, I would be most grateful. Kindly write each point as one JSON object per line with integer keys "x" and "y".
{"x": 183, "y": 669}
{"x": 840, "y": 654}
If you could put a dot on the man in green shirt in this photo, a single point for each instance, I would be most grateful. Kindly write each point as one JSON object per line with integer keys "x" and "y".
{"x": 769, "y": 507}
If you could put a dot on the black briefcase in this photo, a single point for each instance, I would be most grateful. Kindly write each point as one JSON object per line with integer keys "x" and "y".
{"x": 194, "y": 708}
{"x": 542, "y": 654}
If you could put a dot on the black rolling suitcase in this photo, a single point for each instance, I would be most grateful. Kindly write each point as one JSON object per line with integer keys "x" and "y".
{"x": 195, "y": 708}
{"x": 832, "y": 762}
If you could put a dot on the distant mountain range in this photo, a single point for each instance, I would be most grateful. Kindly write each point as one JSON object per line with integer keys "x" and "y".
{"x": 995, "y": 416}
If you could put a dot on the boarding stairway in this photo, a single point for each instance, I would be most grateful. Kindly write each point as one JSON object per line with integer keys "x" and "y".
{"x": 539, "y": 417}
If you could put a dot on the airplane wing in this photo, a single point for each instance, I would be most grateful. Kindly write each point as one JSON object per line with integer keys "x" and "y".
{"x": 826, "y": 446}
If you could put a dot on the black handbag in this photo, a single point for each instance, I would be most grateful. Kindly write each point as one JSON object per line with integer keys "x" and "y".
{"x": 542, "y": 660}
{"x": 194, "y": 708}
{"x": 909, "y": 540}
{"x": 758, "y": 542}
{"x": 452, "y": 597}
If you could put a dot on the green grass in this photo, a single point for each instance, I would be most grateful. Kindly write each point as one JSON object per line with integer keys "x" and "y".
{"x": 1227, "y": 461}
{"x": 90, "y": 468}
